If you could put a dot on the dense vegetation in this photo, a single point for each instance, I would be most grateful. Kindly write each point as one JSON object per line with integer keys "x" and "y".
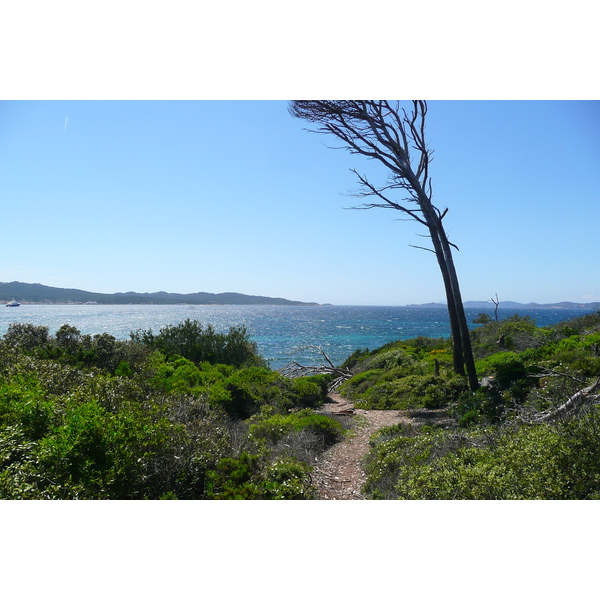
{"x": 189, "y": 413}
{"x": 507, "y": 440}
{"x": 185, "y": 413}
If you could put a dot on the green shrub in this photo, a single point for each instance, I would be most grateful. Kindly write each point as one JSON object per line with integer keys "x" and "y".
{"x": 413, "y": 391}
{"x": 355, "y": 359}
{"x": 249, "y": 477}
{"x": 26, "y": 336}
{"x": 586, "y": 324}
{"x": 88, "y": 451}
{"x": 507, "y": 367}
{"x": 380, "y": 385}
{"x": 514, "y": 333}
{"x": 356, "y": 386}
{"x": 550, "y": 461}
{"x": 487, "y": 405}
{"x": 20, "y": 477}
{"x": 469, "y": 418}
{"x": 235, "y": 479}
{"x": 400, "y": 352}
{"x": 390, "y": 359}
{"x": 309, "y": 391}
{"x": 249, "y": 389}
{"x": 273, "y": 427}
{"x": 191, "y": 340}
{"x": 68, "y": 346}
{"x": 288, "y": 479}
{"x": 579, "y": 354}
{"x": 68, "y": 338}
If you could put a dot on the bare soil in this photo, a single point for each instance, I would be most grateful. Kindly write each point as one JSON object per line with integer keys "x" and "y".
{"x": 339, "y": 474}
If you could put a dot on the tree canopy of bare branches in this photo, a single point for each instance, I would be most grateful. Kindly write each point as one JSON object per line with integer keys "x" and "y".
{"x": 384, "y": 131}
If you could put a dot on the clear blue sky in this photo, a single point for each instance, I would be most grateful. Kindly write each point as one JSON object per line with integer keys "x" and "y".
{"x": 219, "y": 196}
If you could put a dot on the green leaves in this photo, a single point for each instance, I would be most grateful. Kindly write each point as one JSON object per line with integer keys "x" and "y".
{"x": 274, "y": 427}
{"x": 250, "y": 477}
{"x": 91, "y": 417}
{"x": 198, "y": 344}
{"x": 557, "y": 462}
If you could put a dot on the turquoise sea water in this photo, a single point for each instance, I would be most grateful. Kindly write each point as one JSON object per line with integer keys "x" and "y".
{"x": 279, "y": 331}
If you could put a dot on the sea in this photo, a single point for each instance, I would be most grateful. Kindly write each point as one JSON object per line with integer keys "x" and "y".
{"x": 282, "y": 333}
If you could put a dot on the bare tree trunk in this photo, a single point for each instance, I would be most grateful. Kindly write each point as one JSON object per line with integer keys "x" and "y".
{"x": 457, "y": 345}
{"x": 496, "y": 305}
{"x": 461, "y": 337}
{"x": 463, "y": 326}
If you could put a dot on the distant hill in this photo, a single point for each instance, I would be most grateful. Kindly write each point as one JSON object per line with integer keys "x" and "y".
{"x": 510, "y": 304}
{"x": 428, "y": 305}
{"x": 43, "y": 294}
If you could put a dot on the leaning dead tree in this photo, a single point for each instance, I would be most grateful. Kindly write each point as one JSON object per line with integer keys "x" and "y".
{"x": 295, "y": 369}
{"x": 382, "y": 131}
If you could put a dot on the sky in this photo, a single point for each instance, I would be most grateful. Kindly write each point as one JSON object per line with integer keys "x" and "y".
{"x": 156, "y": 152}
{"x": 219, "y": 196}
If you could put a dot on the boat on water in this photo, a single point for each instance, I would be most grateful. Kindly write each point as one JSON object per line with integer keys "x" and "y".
{"x": 13, "y": 303}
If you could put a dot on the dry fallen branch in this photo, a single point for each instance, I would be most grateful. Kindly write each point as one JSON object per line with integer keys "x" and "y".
{"x": 546, "y": 372}
{"x": 295, "y": 369}
{"x": 584, "y": 396}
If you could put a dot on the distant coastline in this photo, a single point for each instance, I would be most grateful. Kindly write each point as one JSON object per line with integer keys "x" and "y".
{"x": 36, "y": 293}
{"x": 515, "y": 305}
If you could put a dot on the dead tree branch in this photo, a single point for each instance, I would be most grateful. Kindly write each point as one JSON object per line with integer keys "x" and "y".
{"x": 496, "y": 304}
{"x": 295, "y": 369}
{"x": 584, "y": 396}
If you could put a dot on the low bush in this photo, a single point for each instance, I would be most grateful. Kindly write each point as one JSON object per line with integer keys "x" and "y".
{"x": 288, "y": 479}
{"x": 91, "y": 417}
{"x": 486, "y": 405}
{"x": 357, "y": 385}
{"x": 68, "y": 346}
{"x": 391, "y": 359}
{"x": 27, "y": 336}
{"x": 191, "y": 340}
{"x": 583, "y": 325}
{"x": 506, "y": 367}
{"x": 311, "y": 392}
{"x": 272, "y": 427}
{"x": 413, "y": 391}
{"x": 250, "y": 477}
{"x": 550, "y": 461}
{"x": 514, "y": 333}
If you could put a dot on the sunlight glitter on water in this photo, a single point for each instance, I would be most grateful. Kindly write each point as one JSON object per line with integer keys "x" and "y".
{"x": 279, "y": 331}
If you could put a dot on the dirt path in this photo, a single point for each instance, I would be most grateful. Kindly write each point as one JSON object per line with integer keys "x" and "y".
{"x": 339, "y": 475}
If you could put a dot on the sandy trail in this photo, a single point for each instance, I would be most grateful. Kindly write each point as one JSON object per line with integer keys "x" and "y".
{"x": 339, "y": 475}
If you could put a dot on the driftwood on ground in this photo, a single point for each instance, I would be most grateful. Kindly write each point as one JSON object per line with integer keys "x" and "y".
{"x": 586, "y": 395}
{"x": 295, "y": 369}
